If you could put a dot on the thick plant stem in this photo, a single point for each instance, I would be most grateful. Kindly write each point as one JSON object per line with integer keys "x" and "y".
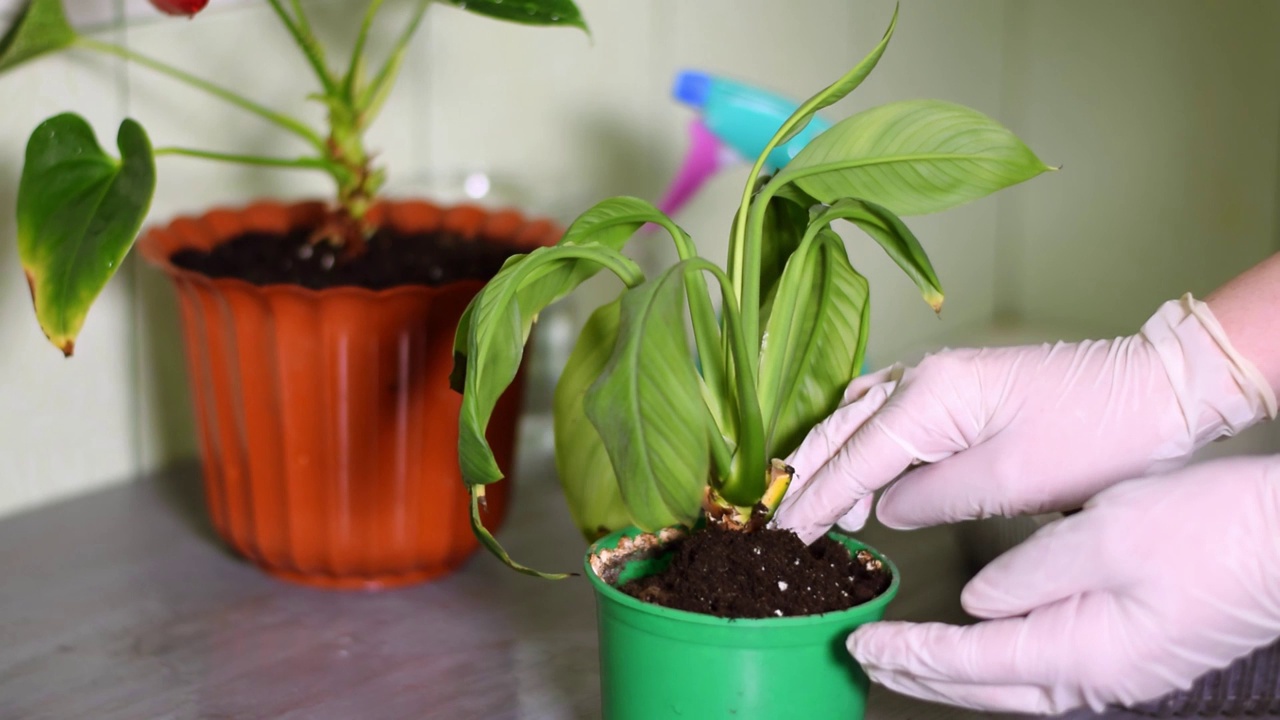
{"x": 749, "y": 289}
{"x": 746, "y": 484}
{"x": 284, "y": 121}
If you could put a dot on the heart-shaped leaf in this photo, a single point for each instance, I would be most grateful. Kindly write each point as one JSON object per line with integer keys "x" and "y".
{"x": 526, "y": 12}
{"x": 590, "y": 487}
{"x": 815, "y": 339}
{"x": 913, "y": 157}
{"x": 648, "y": 410}
{"x": 40, "y": 27}
{"x": 79, "y": 212}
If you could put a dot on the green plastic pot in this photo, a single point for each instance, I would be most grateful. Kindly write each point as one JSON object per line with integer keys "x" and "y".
{"x": 658, "y": 663}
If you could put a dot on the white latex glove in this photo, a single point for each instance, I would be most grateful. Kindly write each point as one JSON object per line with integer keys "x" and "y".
{"x": 1156, "y": 582}
{"x": 1023, "y": 429}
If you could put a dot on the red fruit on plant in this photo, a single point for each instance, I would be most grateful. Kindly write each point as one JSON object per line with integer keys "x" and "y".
{"x": 180, "y": 7}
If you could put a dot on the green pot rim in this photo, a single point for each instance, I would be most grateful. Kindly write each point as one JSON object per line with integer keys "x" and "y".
{"x": 616, "y": 595}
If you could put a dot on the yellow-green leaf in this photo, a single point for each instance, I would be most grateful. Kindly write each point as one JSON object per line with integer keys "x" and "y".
{"x": 815, "y": 339}
{"x": 647, "y": 407}
{"x": 590, "y": 487}
{"x": 913, "y": 157}
{"x": 79, "y": 212}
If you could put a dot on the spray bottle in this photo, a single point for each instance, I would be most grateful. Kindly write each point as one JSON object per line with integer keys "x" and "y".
{"x": 735, "y": 121}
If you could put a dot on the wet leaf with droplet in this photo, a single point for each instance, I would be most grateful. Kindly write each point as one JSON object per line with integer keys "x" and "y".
{"x": 79, "y": 212}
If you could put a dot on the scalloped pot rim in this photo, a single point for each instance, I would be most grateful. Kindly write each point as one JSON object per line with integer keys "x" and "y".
{"x": 220, "y": 223}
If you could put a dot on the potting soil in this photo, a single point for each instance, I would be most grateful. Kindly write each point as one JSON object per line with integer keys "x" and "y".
{"x": 767, "y": 573}
{"x": 391, "y": 259}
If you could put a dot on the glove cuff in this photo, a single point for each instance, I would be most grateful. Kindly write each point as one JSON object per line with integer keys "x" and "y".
{"x": 1219, "y": 390}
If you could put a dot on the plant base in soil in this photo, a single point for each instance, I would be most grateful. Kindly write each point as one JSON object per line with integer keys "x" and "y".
{"x": 767, "y": 573}
{"x": 389, "y": 260}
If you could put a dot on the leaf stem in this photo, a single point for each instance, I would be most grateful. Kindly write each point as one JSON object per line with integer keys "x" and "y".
{"x": 302, "y": 163}
{"x": 703, "y": 316}
{"x": 300, "y": 29}
{"x": 391, "y": 67}
{"x": 300, "y": 16}
{"x": 353, "y": 69}
{"x": 288, "y": 123}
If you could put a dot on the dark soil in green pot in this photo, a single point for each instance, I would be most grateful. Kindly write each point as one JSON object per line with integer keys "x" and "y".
{"x": 721, "y": 624}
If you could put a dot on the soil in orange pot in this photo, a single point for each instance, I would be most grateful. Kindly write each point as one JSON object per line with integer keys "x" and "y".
{"x": 391, "y": 259}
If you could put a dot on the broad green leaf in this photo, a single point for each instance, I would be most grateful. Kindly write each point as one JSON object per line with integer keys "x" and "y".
{"x": 79, "y": 212}
{"x": 648, "y": 411}
{"x": 526, "y": 12}
{"x": 612, "y": 223}
{"x": 913, "y": 157}
{"x": 839, "y": 89}
{"x": 897, "y": 240}
{"x": 814, "y": 343}
{"x": 499, "y": 326}
{"x": 40, "y": 27}
{"x": 586, "y": 475}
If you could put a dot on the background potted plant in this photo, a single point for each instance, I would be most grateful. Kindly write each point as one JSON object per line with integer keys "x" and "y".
{"x": 318, "y": 334}
{"x": 660, "y": 448}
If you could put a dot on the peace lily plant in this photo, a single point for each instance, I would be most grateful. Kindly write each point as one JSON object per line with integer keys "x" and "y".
{"x": 650, "y": 433}
{"x": 80, "y": 209}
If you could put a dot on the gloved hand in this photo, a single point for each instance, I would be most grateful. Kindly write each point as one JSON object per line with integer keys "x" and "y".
{"x": 1041, "y": 428}
{"x": 1154, "y": 583}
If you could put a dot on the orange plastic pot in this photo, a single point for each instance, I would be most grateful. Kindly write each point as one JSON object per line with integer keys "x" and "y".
{"x": 328, "y": 430}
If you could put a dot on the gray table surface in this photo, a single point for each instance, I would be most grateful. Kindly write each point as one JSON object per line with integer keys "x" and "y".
{"x": 123, "y": 605}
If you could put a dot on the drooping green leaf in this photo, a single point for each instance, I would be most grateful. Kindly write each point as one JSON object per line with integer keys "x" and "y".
{"x": 590, "y": 487}
{"x": 492, "y": 545}
{"x": 499, "y": 327}
{"x": 79, "y": 212}
{"x": 40, "y": 27}
{"x": 610, "y": 223}
{"x": 815, "y": 339}
{"x": 912, "y": 157}
{"x": 526, "y": 12}
{"x": 897, "y": 240}
{"x": 839, "y": 89}
{"x": 647, "y": 408}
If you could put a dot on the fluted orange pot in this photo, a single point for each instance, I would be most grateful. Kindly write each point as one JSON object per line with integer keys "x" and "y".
{"x": 328, "y": 429}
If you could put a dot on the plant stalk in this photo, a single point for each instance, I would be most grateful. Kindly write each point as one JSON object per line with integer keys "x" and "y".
{"x": 303, "y": 163}
{"x": 291, "y": 124}
{"x": 747, "y": 483}
{"x": 353, "y": 70}
{"x": 300, "y": 29}
{"x": 390, "y": 68}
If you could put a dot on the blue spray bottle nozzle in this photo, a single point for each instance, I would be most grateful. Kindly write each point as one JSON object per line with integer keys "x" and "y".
{"x": 734, "y": 124}
{"x": 692, "y": 88}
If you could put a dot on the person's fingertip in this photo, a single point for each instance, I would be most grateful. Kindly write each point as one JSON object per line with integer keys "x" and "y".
{"x": 855, "y": 519}
{"x": 864, "y": 643}
{"x": 892, "y": 514}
